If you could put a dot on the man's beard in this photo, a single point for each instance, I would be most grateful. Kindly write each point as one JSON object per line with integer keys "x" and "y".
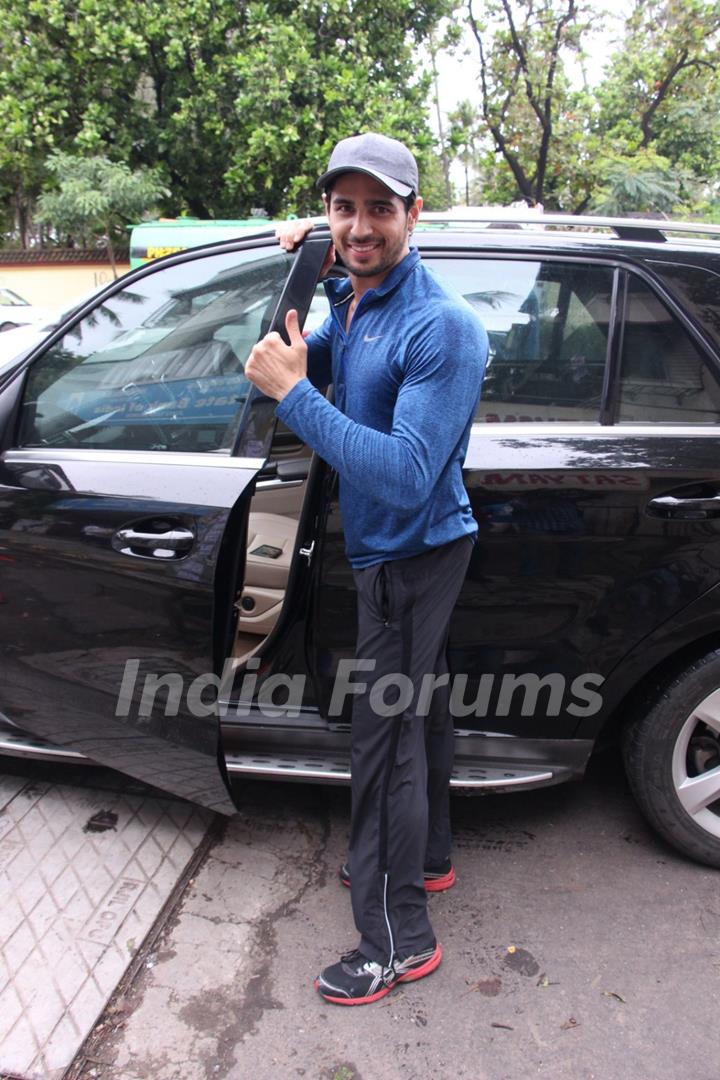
{"x": 390, "y": 259}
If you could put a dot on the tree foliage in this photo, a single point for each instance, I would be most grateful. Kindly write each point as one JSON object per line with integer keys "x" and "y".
{"x": 525, "y": 98}
{"x": 647, "y": 138}
{"x": 645, "y": 182}
{"x": 237, "y": 103}
{"x": 666, "y": 65}
{"x": 463, "y": 137}
{"x": 658, "y": 106}
{"x": 97, "y": 197}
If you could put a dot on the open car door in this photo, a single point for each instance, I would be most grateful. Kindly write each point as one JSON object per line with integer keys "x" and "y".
{"x": 130, "y": 442}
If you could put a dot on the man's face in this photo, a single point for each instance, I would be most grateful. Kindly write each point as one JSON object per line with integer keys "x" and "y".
{"x": 369, "y": 225}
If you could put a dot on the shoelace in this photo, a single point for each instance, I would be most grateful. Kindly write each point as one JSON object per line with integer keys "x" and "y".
{"x": 354, "y": 956}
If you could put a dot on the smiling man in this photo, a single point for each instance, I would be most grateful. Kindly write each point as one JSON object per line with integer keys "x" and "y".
{"x": 406, "y": 357}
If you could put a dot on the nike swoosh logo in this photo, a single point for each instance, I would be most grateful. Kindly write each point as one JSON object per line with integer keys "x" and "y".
{"x": 366, "y": 338}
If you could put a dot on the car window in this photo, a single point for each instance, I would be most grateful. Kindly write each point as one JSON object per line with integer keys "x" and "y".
{"x": 699, "y": 291}
{"x": 547, "y": 324}
{"x": 160, "y": 364}
{"x": 318, "y": 311}
{"x": 663, "y": 375}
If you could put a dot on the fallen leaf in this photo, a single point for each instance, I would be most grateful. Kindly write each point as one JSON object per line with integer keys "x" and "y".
{"x": 571, "y": 1022}
{"x": 505, "y": 1027}
{"x": 611, "y": 993}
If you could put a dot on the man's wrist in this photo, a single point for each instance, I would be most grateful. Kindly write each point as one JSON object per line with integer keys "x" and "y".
{"x": 289, "y": 386}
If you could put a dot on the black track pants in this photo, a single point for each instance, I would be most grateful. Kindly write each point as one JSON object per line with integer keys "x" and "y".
{"x": 402, "y": 750}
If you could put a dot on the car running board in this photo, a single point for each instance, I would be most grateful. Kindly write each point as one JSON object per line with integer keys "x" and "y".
{"x": 334, "y": 768}
{"x": 327, "y": 768}
{"x": 14, "y": 742}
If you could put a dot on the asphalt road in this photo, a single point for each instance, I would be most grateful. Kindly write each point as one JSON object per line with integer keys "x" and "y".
{"x": 576, "y": 945}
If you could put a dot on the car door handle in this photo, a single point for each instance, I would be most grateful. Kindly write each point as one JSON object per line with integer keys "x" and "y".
{"x": 170, "y": 544}
{"x": 687, "y": 509}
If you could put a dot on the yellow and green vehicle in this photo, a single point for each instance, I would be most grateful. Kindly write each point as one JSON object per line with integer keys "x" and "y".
{"x": 153, "y": 239}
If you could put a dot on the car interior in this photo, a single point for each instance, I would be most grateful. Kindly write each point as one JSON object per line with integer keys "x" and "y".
{"x": 273, "y": 527}
{"x": 271, "y": 542}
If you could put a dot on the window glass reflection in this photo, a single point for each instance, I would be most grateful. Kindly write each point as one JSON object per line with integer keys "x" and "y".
{"x": 547, "y": 323}
{"x": 160, "y": 364}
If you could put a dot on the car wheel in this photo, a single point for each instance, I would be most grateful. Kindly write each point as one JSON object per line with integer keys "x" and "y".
{"x": 672, "y": 758}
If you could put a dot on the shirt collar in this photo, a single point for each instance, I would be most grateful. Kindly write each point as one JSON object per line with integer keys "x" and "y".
{"x": 338, "y": 291}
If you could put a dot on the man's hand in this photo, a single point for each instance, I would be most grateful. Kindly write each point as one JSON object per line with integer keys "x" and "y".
{"x": 275, "y": 367}
{"x": 291, "y": 234}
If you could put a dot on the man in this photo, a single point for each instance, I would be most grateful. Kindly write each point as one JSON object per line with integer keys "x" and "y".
{"x": 406, "y": 356}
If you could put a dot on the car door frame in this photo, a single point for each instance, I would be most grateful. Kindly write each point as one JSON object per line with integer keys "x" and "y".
{"x": 172, "y": 757}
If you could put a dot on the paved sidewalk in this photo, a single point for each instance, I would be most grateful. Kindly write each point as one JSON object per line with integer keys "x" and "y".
{"x": 577, "y": 946}
{"x": 84, "y": 873}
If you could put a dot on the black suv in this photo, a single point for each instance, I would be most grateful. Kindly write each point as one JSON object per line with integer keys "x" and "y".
{"x": 174, "y": 596}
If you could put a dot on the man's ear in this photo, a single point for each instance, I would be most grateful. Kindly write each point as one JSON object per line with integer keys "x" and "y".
{"x": 326, "y": 202}
{"x": 413, "y": 213}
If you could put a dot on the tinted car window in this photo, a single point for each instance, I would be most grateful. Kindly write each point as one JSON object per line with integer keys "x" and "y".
{"x": 699, "y": 290}
{"x": 548, "y": 328}
{"x": 663, "y": 375}
{"x": 158, "y": 365}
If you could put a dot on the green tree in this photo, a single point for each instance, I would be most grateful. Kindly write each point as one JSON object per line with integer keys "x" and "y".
{"x": 646, "y": 139}
{"x": 642, "y": 183}
{"x": 463, "y": 138}
{"x": 237, "y": 102}
{"x": 659, "y": 104}
{"x": 97, "y": 198}
{"x": 666, "y": 64}
{"x": 533, "y": 119}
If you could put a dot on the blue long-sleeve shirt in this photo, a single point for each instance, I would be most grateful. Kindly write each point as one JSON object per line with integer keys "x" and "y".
{"x": 407, "y": 377}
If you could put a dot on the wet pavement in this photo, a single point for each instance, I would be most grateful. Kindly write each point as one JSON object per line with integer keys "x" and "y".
{"x": 576, "y": 945}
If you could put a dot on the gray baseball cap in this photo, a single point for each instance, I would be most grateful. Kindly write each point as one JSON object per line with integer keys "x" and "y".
{"x": 388, "y": 160}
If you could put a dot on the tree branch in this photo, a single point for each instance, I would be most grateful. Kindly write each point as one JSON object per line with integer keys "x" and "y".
{"x": 509, "y": 96}
{"x": 519, "y": 50}
{"x": 548, "y": 106}
{"x": 483, "y": 63}
{"x": 521, "y": 178}
{"x": 516, "y": 168}
{"x": 662, "y": 91}
{"x": 582, "y": 206}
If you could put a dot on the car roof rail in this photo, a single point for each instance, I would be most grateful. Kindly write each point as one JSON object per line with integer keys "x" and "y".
{"x": 645, "y": 230}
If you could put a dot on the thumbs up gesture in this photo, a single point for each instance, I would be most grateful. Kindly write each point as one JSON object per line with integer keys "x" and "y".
{"x": 275, "y": 367}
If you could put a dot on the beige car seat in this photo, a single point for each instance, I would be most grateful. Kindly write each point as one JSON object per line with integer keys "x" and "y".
{"x": 270, "y": 548}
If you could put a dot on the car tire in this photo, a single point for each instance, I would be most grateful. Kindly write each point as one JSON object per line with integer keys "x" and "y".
{"x": 672, "y": 759}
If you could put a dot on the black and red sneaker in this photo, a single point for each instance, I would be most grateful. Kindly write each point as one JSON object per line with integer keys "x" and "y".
{"x": 355, "y": 980}
{"x": 437, "y": 878}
